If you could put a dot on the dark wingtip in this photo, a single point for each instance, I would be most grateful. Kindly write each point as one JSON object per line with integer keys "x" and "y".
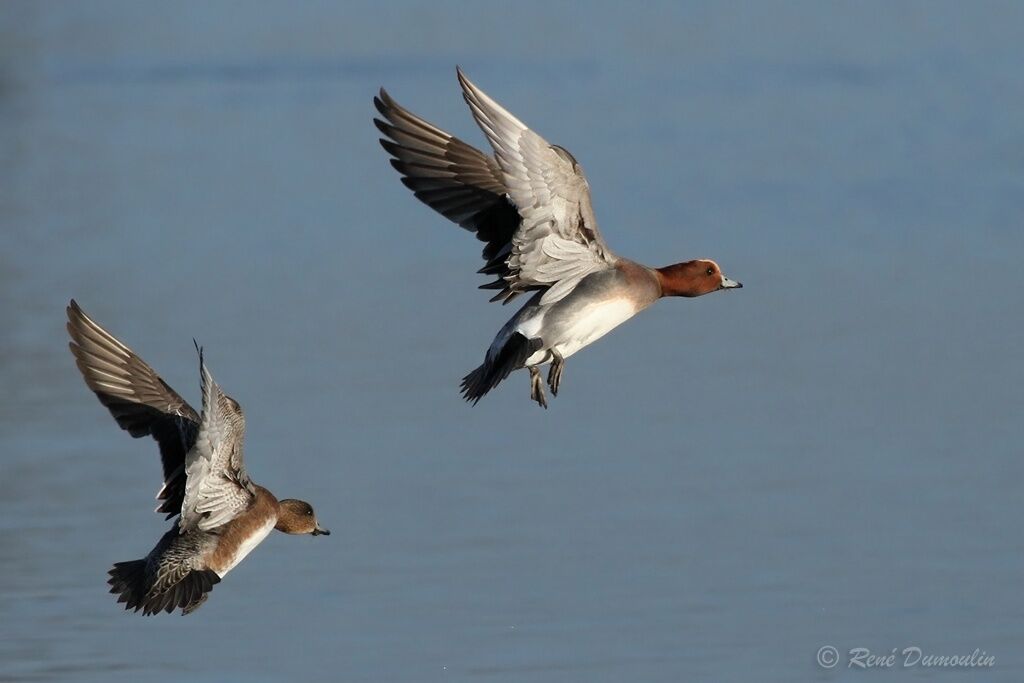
{"x": 398, "y": 166}
{"x": 202, "y": 360}
{"x": 74, "y": 312}
{"x": 384, "y": 102}
{"x": 390, "y": 147}
{"x": 463, "y": 82}
{"x": 74, "y": 315}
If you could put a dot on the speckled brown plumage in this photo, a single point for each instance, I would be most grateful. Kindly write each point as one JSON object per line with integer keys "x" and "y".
{"x": 223, "y": 513}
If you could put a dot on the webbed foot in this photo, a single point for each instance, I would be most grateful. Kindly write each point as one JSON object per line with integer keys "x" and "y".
{"x": 537, "y": 387}
{"x": 555, "y": 372}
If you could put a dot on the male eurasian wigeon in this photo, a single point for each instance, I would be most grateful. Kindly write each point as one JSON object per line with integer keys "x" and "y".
{"x": 223, "y": 513}
{"x": 530, "y": 203}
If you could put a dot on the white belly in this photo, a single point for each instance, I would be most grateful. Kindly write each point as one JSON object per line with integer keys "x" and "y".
{"x": 247, "y": 546}
{"x": 592, "y": 323}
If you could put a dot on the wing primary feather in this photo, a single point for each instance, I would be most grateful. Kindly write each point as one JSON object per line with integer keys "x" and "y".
{"x": 136, "y": 397}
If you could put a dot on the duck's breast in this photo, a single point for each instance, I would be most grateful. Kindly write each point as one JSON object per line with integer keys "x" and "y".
{"x": 601, "y": 302}
{"x": 246, "y": 544}
{"x": 237, "y": 538}
{"x": 587, "y": 324}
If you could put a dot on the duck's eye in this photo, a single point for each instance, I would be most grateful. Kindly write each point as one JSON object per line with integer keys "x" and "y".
{"x": 711, "y": 271}
{"x": 309, "y": 513}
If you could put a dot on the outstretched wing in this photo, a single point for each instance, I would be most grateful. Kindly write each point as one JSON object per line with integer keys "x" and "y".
{"x": 141, "y": 402}
{"x": 557, "y": 242}
{"x": 458, "y": 181}
{"x": 217, "y": 486}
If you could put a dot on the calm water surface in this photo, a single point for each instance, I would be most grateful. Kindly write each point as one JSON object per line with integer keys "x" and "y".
{"x": 829, "y": 457}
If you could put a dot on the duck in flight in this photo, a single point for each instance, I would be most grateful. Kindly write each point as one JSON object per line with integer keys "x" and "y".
{"x": 530, "y": 204}
{"x": 222, "y": 513}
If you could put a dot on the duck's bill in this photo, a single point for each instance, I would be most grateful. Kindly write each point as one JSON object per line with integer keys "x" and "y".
{"x": 730, "y": 284}
{"x": 320, "y": 532}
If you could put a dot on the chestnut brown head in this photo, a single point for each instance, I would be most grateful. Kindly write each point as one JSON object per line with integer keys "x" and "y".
{"x": 693, "y": 278}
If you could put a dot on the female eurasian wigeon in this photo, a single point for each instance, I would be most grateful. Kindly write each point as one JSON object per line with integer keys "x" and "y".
{"x": 223, "y": 513}
{"x": 530, "y": 203}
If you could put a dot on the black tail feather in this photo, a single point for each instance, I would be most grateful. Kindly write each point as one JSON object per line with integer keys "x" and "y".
{"x": 128, "y": 580}
{"x": 512, "y": 356}
{"x": 199, "y": 586}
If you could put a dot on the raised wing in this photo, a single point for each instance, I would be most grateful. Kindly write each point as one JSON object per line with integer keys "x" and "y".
{"x": 141, "y": 402}
{"x": 458, "y": 181}
{"x": 557, "y": 242}
{"x": 217, "y": 486}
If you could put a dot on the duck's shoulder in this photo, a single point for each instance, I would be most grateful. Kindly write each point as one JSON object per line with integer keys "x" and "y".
{"x": 627, "y": 280}
{"x": 263, "y": 507}
{"x": 262, "y": 496}
{"x": 634, "y": 273}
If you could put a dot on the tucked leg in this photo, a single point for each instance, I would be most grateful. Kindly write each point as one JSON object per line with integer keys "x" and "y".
{"x": 555, "y": 372}
{"x": 537, "y": 387}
